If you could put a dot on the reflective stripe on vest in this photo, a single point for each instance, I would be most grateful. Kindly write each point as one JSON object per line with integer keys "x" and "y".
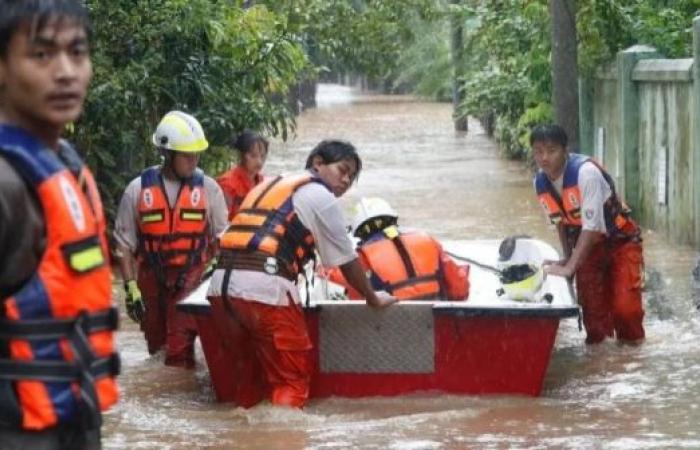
{"x": 172, "y": 237}
{"x": 567, "y": 208}
{"x": 68, "y": 294}
{"x": 407, "y": 267}
{"x": 267, "y": 224}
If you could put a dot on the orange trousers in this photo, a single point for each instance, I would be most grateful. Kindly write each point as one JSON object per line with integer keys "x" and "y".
{"x": 609, "y": 286}
{"x": 164, "y": 325}
{"x": 270, "y": 347}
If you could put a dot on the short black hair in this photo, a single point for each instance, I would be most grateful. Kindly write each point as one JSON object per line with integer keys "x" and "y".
{"x": 245, "y": 141}
{"x": 548, "y": 132}
{"x": 334, "y": 150}
{"x": 38, "y": 13}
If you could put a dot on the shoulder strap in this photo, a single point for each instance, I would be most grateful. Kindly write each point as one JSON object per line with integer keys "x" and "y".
{"x": 150, "y": 177}
{"x": 405, "y": 257}
{"x": 30, "y": 157}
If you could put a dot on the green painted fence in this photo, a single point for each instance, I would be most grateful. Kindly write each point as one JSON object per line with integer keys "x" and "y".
{"x": 640, "y": 117}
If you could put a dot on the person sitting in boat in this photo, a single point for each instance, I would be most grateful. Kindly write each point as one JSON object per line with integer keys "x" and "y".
{"x": 410, "y": 265}
{"x": 255, "y": 304}
{"x": 237, "y": 182}
{"x": 602, "y": 244}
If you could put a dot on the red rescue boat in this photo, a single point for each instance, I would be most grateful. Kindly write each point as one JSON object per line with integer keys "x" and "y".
{"x": 490, "y": 344}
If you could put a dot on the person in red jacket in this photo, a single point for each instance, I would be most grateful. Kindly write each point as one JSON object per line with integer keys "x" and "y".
{"x": 409, "y": 265}
{"x": 602, "y": 244}
{"x": 237, "y": 182}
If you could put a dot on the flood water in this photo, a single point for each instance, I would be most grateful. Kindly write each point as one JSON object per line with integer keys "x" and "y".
{"x": 456, "y": 186}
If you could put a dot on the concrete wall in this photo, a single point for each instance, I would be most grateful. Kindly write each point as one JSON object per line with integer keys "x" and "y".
{"x": 642, "y": 124}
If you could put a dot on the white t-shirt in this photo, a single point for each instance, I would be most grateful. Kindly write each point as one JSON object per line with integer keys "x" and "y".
{"x": 595, "y": 191}
{"x": 319, "y": 211}
{"x": 126, "y": 224}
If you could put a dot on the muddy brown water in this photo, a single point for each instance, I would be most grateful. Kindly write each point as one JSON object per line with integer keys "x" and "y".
{"x": 458, "y": 187}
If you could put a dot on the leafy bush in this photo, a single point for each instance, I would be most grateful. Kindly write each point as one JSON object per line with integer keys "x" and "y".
{"x": 225, "y": 65}
{"x": 508, "y": 81}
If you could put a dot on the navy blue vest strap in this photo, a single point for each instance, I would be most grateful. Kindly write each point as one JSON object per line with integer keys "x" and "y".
{"x": 573, "y": 168}
{"x": 150, "y": 177}
{"x": 58, "y": 370}
{"x": 197, "y": 178}
{"x": 70, "y": 157}
{"x": 541, "y": 182}
{"x": 44, "y": 329}
{"x": 32, "y": 159}
{"x": 316, "y": 179}
{"x": 573, "y": 164}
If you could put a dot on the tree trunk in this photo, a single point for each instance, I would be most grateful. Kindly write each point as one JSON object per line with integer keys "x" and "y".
{"x": 457, "y": 50}
{"x": 565, "y": 68}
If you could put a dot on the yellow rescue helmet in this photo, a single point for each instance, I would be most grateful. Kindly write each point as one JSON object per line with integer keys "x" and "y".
{"x": 180, "y": 132}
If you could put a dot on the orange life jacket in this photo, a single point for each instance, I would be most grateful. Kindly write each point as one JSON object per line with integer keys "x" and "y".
{"x": 176, "y": 237}
{"x": 407, "y": 266}
{"x": 566, "y": 209}
{"x": 266, "y": 235}
{"x": 57, "y": 328}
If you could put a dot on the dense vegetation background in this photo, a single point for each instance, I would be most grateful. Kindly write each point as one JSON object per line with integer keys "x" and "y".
{"x": 243, "y": 64}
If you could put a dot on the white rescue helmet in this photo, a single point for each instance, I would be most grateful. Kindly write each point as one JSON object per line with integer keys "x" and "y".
{"x": 372, "y": 214}
{"x": 180, "y": 132}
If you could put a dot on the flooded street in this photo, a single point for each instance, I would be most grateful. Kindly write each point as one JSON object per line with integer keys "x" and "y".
{"x": 456, "y": 187}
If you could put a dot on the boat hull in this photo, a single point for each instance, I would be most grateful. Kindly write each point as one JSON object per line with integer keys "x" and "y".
{"x": 473, "y": 355}
{"x": 487, "y": 345}
{"x": 472, "y": 350}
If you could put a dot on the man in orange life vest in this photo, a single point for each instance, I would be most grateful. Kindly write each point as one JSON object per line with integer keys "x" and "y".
{"x": 601, "y": 242}
{"x": 255, "y": 302}
{"x": 168, "y": 221}
{"x": 409, "y": 265}
{"x": 57, "y": 356}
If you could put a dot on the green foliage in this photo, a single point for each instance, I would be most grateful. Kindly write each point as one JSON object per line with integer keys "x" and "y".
{"x": 667, "y": 25}
{"x": 538, "y": 114}
{"x": 607, "y": 26}
{"x": 507, "y": 69}
{"x": 366, "y": 37}
{"x": 378, "y": 34}
{"x": 227, "y": 66}
{"x": 508, "y": 79}
{"x": 602, "y": 27}
{"x": 425, "y": 66}
{"x": 232, "y": 67}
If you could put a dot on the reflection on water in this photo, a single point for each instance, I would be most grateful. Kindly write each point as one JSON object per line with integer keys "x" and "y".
{"x": 457, "y": 187}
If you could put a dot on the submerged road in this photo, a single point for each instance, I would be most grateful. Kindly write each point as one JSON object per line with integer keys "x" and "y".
{"x": 457, "y": 187}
